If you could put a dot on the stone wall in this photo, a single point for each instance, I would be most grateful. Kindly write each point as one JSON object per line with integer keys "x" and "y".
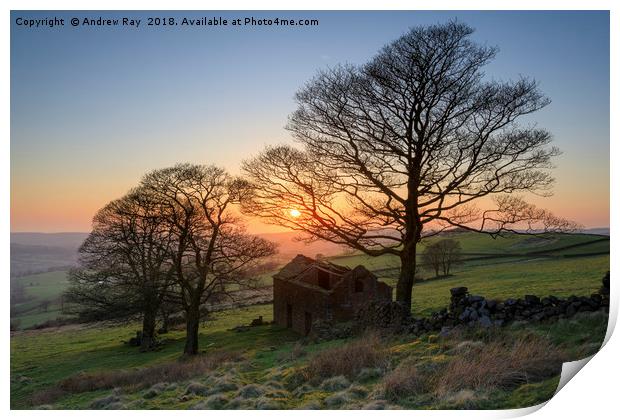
{"x": 346, "y": 300}
{"x": 472, "y": 310}
{"x": 303, "y": 302}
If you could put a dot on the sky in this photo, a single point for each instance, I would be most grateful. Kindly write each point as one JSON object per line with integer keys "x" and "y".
{"x": 93, "y": 109}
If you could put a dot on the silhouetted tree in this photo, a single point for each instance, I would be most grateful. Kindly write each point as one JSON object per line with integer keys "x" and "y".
{"x": 211, "y": 251}
{"x": 431, "y": 258}
{"x": 442, "y": 255}
{"x": 401, "y": 148}
{"x": 124, "y": 268}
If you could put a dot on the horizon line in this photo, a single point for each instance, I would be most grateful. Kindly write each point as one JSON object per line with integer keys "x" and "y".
{"x": 256, "y": 233}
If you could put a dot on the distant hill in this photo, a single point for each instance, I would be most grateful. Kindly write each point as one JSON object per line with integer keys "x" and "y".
{"x": 63, "y": 239}
{"x": 289, "y": 247}
{"x": 597, "y": 231}
{"x": 33, "y": 252}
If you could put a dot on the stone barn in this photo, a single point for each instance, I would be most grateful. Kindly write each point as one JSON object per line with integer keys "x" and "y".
{"x": 306, "y": 290}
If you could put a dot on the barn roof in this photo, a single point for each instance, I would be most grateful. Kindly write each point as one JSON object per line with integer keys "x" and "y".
{"x": 301, "y": 263}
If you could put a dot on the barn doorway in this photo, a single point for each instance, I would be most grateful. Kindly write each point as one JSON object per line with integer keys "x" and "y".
{"x": 308, "y": 323}
{"x": 289, "y": 315}
{"x": 323, "y": 279}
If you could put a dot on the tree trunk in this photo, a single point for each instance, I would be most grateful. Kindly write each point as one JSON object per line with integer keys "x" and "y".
{"x": 404, "y": 287}
{"x": 165, "y": 321}
{"x": 192, "y": 324}
{"x": 148, "y": 340}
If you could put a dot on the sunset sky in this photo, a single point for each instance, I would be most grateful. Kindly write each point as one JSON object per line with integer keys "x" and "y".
{"x": 93, "y": 109}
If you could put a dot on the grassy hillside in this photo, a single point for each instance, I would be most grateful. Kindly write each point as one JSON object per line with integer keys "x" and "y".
{"x": 475, "y": 245}
{"x": 40, "y": 252}
{"x": 271, "y": 359}
{"x": 276, "y": 362}
{"x": 515, "y": 265}
{"x": 559, "y": 277}
{"x": 39, "y": 288}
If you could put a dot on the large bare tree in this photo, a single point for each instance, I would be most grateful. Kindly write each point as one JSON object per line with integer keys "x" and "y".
{"x": 212, "y": 254}
{"x": 124, "y": 268}
{"x": 403, "y": 147}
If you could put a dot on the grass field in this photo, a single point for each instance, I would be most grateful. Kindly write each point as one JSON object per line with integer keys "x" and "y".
{"x": 271, "y": 356}
{"x": 39, "y": 288}
{"x": 562, "y": 278}
{"x": 516, "y": 265}
{"x": 476, "y": 245}
{"x": 40, "y": 359}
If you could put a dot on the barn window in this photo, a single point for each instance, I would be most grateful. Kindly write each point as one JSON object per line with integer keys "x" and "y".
{"x": 359, "y": 286}
{"x": 323, "y": 279}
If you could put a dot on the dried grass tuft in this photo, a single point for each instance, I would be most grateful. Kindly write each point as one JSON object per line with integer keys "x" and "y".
{"x": 350, "y": 359}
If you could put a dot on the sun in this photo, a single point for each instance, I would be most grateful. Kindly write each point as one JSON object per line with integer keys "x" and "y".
{"x": 294, "y": 213}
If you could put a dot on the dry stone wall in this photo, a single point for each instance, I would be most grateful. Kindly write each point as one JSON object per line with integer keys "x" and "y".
{"x": 473, "y": 310}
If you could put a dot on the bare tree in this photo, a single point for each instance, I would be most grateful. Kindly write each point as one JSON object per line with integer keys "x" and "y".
{"x": 124, "y": 269}
{"x": 211, "y": 252}
{"x": 402, "y": 148}
{"x": 442, "y": 254}
{"x": 432, "y": 258}
{"x": 451, "y": 254}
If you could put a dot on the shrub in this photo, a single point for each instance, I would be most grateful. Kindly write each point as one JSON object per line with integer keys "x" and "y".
{"x": 350, "y": 359}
